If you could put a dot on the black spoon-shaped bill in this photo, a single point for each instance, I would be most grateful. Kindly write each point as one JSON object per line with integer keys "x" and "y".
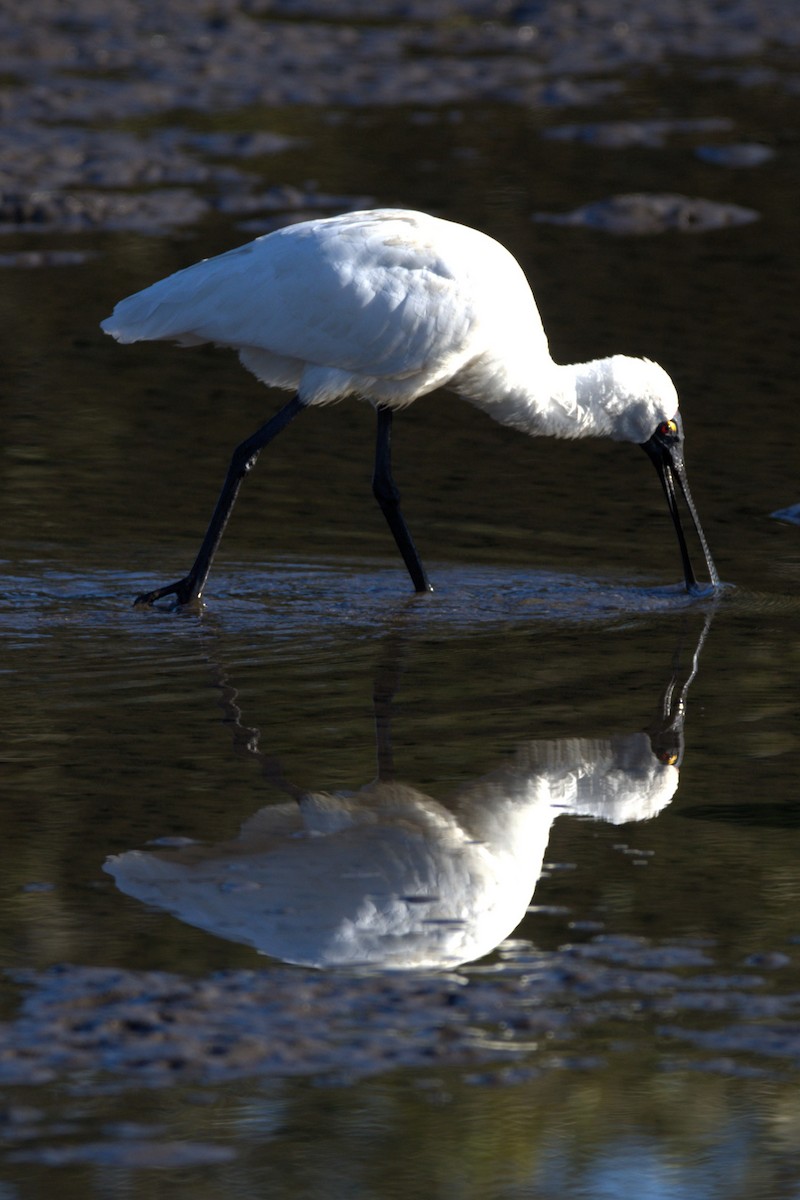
{"x": 665, "y": 450}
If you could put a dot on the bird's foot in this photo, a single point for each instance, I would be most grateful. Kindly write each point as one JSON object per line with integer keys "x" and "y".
{"x": 184, "y": 590}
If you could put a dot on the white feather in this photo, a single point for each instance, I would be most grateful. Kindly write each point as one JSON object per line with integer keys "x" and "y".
{"x": 389, "y": 305}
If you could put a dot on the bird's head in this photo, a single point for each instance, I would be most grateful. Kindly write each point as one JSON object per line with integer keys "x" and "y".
{"x": 635, "y": 396}
{"x": 634, "y": 400}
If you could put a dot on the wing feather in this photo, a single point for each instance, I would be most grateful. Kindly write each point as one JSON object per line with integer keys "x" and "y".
{"x": 361, "y": 296}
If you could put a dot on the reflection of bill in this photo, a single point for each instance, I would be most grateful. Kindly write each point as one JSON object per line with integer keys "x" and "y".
{"x": 389, "y": 877}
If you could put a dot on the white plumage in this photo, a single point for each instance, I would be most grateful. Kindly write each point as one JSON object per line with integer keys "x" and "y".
{"x": 389, "y": 305}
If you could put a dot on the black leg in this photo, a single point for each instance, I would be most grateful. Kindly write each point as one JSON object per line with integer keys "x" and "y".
{"x": 387, "y": 495}
{"x": 244, "y": 459}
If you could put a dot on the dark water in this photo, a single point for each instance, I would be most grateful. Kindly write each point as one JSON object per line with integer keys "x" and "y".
{"x": 650, "y": 1045}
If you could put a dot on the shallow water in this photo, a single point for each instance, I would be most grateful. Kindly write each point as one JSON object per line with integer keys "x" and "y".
{"x": 558, "y": 738}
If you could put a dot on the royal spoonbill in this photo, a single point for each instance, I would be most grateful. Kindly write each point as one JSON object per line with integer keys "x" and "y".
{"x": 389, "y": 305}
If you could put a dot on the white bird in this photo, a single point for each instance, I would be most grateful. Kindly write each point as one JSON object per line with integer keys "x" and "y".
{"x": 389, "y": 305}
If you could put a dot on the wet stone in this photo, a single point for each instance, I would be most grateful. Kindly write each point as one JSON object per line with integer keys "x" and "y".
{"x": 143, "y": 59}
{"x": 639, "y": 214}
{"x": 158, "y": 1028}
{"x": 622, "y": 135}
{"x": 740, "y": 154}
{"x": 50, "y": 212}
{"x": 65, "y": 71}
{"x": 790, "y": 514}
{"x": 32, "y": 259}
{"x": 127, "y": 1153}
{"x": 771, "y": 961}
{"x": 248, "y": 144}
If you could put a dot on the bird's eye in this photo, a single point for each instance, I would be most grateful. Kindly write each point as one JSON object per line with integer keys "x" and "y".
{"x": 668, "y": 429}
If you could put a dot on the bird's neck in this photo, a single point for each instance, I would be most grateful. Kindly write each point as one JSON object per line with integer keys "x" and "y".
{"x": 547, "y": 400}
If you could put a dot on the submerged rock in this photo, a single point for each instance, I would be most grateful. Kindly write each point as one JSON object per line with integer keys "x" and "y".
{"x": 790, "y": 514}
{"x": 642, "y": 213}
{"x": 621, "y": 135}
{"x": 739, "y": 154}
{"x": 31, "y": 259}
{"x": 55, "y": 212}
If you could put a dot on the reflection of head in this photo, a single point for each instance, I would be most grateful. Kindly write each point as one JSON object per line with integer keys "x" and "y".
{"x": 389, "y": 877}
{"x": 618, "y": 779}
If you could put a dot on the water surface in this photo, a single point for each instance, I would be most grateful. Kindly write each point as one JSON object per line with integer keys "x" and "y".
{"x": 633, "y": 1031}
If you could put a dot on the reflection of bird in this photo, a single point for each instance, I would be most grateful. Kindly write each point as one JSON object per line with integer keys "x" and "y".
{"x": 389, "y": 877}
{"x": 390, "y": 305}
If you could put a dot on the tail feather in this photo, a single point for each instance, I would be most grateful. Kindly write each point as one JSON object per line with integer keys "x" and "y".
{"x": 151, "y": 315}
